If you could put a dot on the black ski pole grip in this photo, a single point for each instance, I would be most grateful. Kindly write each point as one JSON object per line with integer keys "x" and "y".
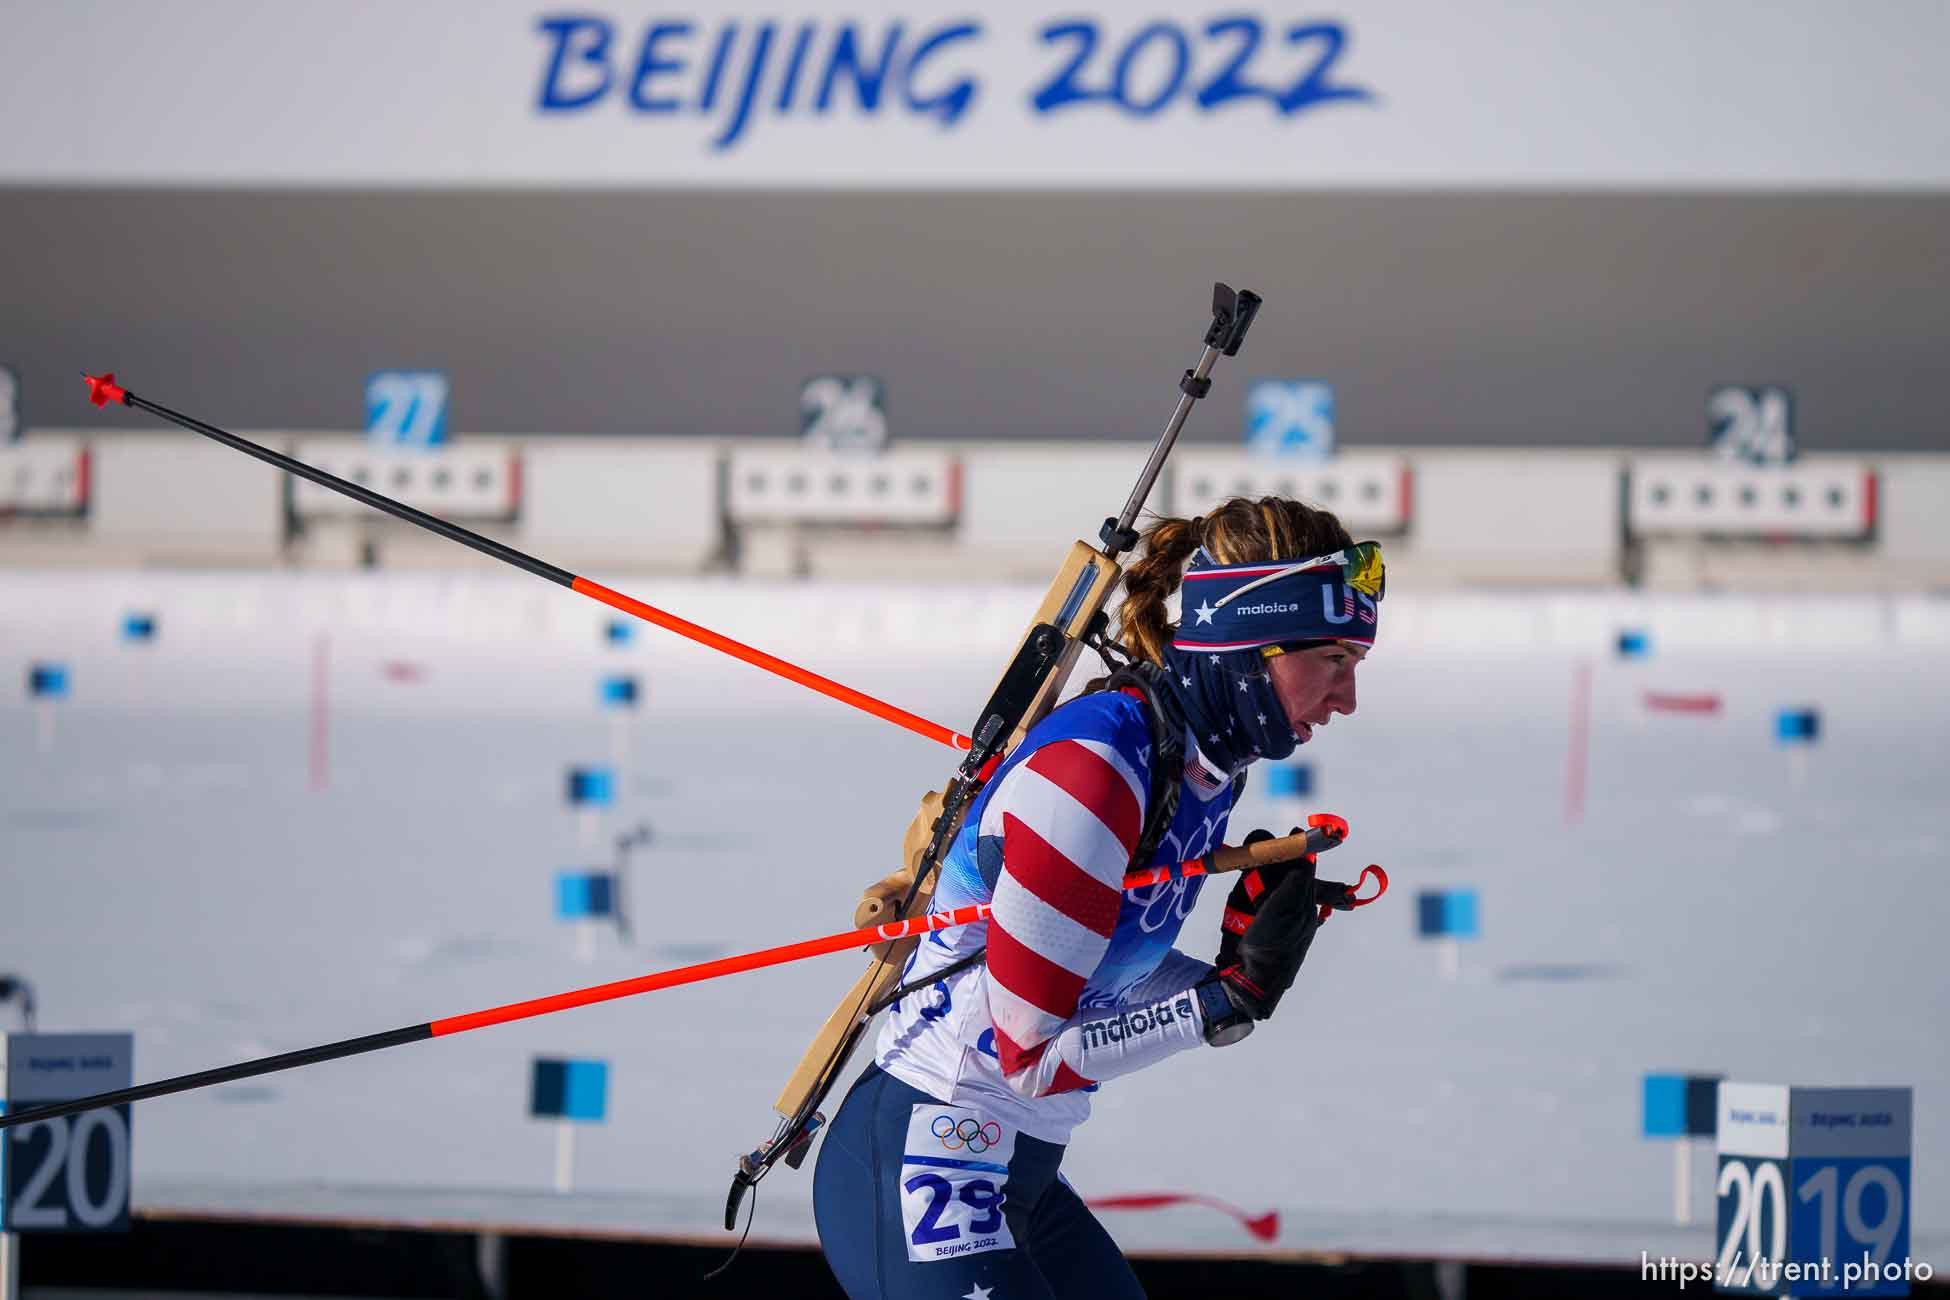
{"x": 1246, "y": 308}
{"x": 1232, "y": 316}
{"x": 1334, "y": 894}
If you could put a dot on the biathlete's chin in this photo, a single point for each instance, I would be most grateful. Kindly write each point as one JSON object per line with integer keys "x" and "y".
{"x": 1302, "y": 733}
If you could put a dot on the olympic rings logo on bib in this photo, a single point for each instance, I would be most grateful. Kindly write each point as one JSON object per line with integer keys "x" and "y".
{"x": 967, "y": 1132}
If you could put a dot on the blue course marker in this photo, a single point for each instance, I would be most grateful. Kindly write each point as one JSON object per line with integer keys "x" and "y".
{"x": 592, "y": 787}
{"x": 47, "y": 681}
{"x": 569, "y": 1090}
{"x": 1634, "y": 643}
{"x": 619, "y": 631}
{"x": 139, "y": 628}
{"x": 1797, "y": 726}
{"x": 1446, "y": 914}
{"x": 618, "y": 692}
{"x": 1291, "y": 780}
{"x": 584, "y": 895}
{"x": 1681, "y": 1105}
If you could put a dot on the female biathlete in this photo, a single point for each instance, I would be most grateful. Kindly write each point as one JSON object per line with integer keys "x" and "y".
{"x": 938, "y": 1176}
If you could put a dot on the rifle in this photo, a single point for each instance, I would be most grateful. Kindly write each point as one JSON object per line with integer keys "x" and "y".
{"x": 1070, "y": 617}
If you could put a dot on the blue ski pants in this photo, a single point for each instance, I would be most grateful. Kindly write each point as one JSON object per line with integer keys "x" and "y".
{"x": 893, "y": 1217}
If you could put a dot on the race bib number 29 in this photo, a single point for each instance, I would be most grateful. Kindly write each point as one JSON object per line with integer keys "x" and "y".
{"x": 951, "y": 1180}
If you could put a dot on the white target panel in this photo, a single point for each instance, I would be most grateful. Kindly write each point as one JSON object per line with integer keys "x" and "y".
{"x": 451, "y": 482}
{"x": 1695, "y": 495}
{"x": 1372, "y": 494}
{"x": 806, "y": 485}
{"x": 72, "y": 1173}
{"x": 47, "y": 476}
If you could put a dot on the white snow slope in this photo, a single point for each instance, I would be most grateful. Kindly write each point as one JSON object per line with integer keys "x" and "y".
{"x": 165, "y": 869}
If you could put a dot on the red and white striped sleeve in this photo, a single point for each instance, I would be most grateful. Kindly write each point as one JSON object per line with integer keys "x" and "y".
{"x": 1068, "y": 817}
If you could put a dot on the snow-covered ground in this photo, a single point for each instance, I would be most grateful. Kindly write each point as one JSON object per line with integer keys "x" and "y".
{"x": 166, "y": 869}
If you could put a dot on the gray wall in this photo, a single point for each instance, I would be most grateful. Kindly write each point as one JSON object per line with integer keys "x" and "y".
{"x": 1442, "y": 318}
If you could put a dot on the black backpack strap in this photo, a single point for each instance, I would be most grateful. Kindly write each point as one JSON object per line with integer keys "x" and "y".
{"x": 1167, "y": 757}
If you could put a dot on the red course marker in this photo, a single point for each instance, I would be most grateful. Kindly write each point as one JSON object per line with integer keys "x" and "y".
{"x": 1698, "y": 702}
{"x": 1265, "y": 1226}
{"x": 1579, "y": 756}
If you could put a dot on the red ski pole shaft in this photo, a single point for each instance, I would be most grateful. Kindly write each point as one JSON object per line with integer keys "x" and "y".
{"x": 1324, "y": 831}
{"x": 512, "y": 1011}
{"x": 1316, "y": 837}
{"x": 104, "y": 389}
{"x": 712, "y": 969}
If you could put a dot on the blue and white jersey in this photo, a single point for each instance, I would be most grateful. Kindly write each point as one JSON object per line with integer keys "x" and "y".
{"x": 1081, "y": 982}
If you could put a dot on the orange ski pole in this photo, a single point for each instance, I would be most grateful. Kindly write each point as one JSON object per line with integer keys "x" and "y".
{"x": 103, "y": 389}
{"x": 1325, "y": 831}
{"x": 706, "y": 970}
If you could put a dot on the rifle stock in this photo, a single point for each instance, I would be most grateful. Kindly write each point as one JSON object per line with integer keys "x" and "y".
{"x": 1074, "y": 600}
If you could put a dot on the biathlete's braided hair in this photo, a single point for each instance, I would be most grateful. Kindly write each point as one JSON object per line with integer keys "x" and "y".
{"x": 1239, "y": 532}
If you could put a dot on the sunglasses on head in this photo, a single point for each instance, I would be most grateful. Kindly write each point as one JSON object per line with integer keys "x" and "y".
{"x": 1291, "y": 647}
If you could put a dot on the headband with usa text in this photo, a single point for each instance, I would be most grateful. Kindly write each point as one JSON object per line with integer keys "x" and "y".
{"x": 1245, "y": 606}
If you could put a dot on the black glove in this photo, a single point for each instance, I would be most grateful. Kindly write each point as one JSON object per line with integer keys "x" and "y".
{"x": 1275, "y": 943}
{"x": 1242, "y": 904}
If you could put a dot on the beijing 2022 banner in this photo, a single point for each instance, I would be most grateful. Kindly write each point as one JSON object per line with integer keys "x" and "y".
{"x": 1367, "y": 93}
